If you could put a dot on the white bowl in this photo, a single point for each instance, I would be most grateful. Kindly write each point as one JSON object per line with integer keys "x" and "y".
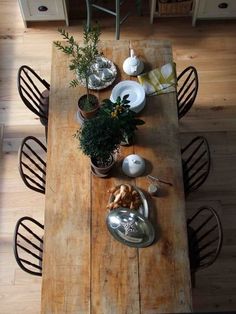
{"x": 134, "y": 90}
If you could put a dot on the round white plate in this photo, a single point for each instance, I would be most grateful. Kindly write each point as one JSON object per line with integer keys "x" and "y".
{"x": 134, "y": 90}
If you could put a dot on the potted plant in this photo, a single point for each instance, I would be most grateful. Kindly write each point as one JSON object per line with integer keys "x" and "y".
{"x": 99, "y": 138}
{"x": 82, "y": 58}
{"x": 124, "y": 118}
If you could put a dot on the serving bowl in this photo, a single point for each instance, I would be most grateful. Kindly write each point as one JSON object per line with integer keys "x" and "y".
{"x": 134, "y": 90}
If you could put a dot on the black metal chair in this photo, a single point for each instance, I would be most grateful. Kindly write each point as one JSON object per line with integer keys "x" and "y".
{"x": 90, "y": 4}
{"x": 205, "y": 238}
{"x": 34, "y": 91}
{"x": 187, "y": 88}
{"x": 196, "y": 163}
{"x": 32, "y": 163}
{"x": 28, "y": 245}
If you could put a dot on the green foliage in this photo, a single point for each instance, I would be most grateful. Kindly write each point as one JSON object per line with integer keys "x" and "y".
{"x": 122, "y": 116}
{"x": 99, "y": 138}
{"x": 82, "y": 56}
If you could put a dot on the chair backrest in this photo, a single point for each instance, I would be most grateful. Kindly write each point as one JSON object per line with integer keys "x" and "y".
{"x": 32, "y": 163}
{"x": 28, "y": 245}
{"x": 34, "y": 91}
{"x": 196, "y": 163}
{"x": 205, "y": 238}
{"x": 90, "y": 4}
{"x": 187, "y": 88}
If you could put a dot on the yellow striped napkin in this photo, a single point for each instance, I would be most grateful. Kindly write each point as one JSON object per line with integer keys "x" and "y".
{"x": 160, "y": 80}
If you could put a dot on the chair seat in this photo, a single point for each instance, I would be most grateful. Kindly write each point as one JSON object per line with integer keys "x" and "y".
{"x": 196, "y": 163}
{"x": 34, "y": 92}
{"x": 28, "y": 245}
{"x": 205, "y": 238}
{"x": 32, "y": 163}
{"x": 187, "y": 82}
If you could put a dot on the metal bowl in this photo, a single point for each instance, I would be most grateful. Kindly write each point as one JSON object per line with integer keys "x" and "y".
{"x": 130, "y": 227}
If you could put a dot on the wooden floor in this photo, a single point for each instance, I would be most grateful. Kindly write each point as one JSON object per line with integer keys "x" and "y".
{"x": 211, "y": 48}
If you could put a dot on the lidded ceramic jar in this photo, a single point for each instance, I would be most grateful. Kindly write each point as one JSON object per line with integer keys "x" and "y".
{"x": 133, "y": 165}
{"x": 133, "y": 65}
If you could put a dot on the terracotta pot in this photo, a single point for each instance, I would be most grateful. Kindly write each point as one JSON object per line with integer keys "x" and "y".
{"x": 91, "y": 113}
{"x": 102, "y": 171}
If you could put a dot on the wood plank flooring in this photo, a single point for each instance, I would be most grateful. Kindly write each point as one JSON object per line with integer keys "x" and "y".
{"x": 211, "y": 48}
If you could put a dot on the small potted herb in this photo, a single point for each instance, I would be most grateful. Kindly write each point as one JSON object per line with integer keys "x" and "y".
{"x": 99, "y": 138}
{"x": 121, "y": 114}
{"x": 82, "y": 58}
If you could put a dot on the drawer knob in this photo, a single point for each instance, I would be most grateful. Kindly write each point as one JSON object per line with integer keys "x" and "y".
{"x": 42, "y": 8}
{"x": 223, "y": 5}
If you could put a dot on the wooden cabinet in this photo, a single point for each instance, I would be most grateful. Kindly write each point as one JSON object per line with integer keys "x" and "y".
{"x": 43, "y": 10}
{"x": 213, "y": 9}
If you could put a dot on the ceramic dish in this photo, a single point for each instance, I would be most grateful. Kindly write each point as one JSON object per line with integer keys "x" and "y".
{"x": 134, "y": 90}
{"x": 102, "y": 74}
{"x": 143, "y": 208}
{"x": 130, "y": 227}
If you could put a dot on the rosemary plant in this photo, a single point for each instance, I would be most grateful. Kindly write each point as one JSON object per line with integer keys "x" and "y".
{"x": 82, "y": 55}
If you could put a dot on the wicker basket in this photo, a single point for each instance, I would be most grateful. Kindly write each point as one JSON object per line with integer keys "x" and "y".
{"x": 174, "y": 8}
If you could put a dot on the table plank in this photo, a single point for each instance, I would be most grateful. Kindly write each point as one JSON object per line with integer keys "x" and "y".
{"x": 85, "y": 270}
{"x": 66, "y": 271}
{"x": 167, "y": 267}
{"x": 115, "y": 284}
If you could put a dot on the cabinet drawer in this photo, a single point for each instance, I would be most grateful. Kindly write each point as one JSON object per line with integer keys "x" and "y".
{"x": 216, "y": 8}
{"x": 36, "y": 10}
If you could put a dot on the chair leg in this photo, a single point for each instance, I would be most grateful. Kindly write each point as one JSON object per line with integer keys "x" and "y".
{"x": 138, "y": 4}
{"x": 193, "y": 279}
{"x": 117, "y": 19}
{"x": 46, "y": 132}
{"x": 152, "y": 10}
{"x": 89, "y": 9}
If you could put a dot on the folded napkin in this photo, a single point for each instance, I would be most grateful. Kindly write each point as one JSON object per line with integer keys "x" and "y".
{"x": 160, "y": 80}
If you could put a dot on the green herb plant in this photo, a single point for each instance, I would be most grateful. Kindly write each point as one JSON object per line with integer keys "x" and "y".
{"x": 99, "y": 138}
{"x": 124, "y": 118}
{"x": 82, "y": 55}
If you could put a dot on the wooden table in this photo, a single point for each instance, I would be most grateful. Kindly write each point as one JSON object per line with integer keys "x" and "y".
{"x": 85, "y": 270}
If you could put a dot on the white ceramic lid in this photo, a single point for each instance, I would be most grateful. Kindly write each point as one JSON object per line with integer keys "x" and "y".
{"x": 133, "y": 165}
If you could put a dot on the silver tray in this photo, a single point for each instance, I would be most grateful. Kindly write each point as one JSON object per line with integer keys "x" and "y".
{"x": 102, "y": 74}
{"x": 130, "y": 228}
{"x": 143, "y": 209}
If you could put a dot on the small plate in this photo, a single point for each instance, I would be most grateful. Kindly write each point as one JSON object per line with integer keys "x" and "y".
{"x": 143, "y": 209}
{"x": 134, "y": 90}
{"x": 130, "y": 227}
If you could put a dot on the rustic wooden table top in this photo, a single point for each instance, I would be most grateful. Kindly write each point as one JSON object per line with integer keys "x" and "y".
{"x": 85, "y": 270}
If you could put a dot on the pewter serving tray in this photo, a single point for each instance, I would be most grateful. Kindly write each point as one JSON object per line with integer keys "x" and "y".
{"x": 103, "y": 73}
{"x": 130, "y": 227}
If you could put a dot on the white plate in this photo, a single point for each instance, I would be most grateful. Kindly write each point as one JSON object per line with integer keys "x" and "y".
{"x": 134, "y": 90}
